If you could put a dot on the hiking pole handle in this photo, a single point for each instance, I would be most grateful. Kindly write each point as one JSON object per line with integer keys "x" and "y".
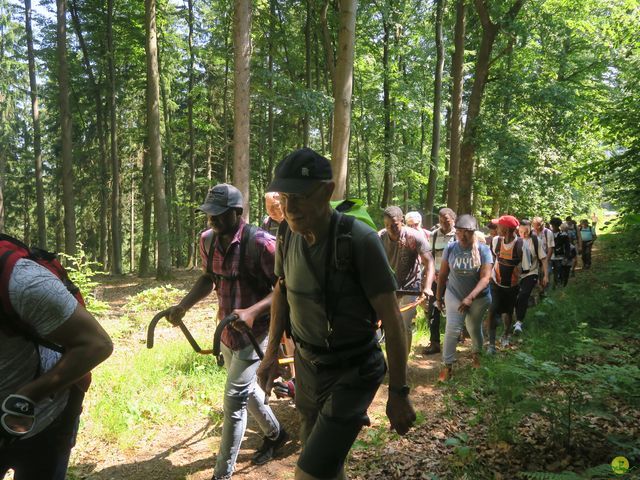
{"x": 152, "y": 326}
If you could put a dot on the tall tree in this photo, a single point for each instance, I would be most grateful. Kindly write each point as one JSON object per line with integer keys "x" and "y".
{"x": 155, "y": 147}
{"x": 490, "y": 31}
{"x": 68, "y": 198}
{"x": 192, "y": 155}
{"x": 387, "y": 188}
{"x": 37, "y": 135}
{"x": 116, "y": 223}
{"x": 342, "y": 89}
{"x": 457, "y": 78}
{"x": 437, "y": 105}
{"x": 241, "y": 131}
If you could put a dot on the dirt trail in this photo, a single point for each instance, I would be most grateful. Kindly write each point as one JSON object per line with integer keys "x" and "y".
{"x": 189, "y": 454}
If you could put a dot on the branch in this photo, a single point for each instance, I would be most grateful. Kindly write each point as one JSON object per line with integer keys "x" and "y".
{"x": 483, "y": 13}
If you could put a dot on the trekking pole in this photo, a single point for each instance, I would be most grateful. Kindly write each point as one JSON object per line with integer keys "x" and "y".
{"x": 192, "y": 341}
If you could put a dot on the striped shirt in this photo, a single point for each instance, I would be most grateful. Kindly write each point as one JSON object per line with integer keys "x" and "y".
{"x": 235, "y": 290}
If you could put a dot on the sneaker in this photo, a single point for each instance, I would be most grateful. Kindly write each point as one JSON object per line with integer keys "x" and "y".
{"x": 431, "y": 349}
{"x": 504, "y": 341}
{"x": 517, "y": 328}
{"x": 491, "y": 349}
{"x": 269, "y": 447}
{"x": 445, "y": 373}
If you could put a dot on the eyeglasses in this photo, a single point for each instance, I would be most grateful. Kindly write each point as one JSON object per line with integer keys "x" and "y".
{"x": 299, "y": 197}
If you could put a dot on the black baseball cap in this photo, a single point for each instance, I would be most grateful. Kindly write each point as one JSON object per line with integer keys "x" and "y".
{"x": 221, "y": 198}
{"x": 300, "y": 171}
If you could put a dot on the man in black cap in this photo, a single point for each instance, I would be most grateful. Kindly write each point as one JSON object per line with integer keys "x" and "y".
{"x": 334, "y": 283}
{"x": 246, "y": 290}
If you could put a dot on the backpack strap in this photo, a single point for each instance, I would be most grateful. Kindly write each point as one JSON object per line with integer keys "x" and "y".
{"x": 497, "y": 247}
{"x": 534, "y": 239}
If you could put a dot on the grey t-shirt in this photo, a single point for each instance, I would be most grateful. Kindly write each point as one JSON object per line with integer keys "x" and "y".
{"x": 305, "y": 287}
{"x": 404, "y": 256}
{"x": 40, "y": 299}
{"x": 463, "y": 276}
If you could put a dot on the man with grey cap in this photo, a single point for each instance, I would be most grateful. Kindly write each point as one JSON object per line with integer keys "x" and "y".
{"x": 334, "y": 283}
{"x": 246, "y": 290}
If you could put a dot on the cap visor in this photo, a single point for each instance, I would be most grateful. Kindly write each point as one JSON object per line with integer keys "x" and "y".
{"x": 292, "y": 185}
{"x": 213, "y": 210}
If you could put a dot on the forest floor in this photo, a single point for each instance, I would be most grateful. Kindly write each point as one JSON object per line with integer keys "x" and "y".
{"x": 434, "y": 449}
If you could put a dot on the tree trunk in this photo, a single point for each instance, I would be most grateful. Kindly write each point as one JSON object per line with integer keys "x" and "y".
{"x": 387, "y": 189}
{"x": 483, "y": 61}
{"x": 37, "y": 135}
{"x": 457, "y": 78}
{"x": 116, "y": 224}
{"x": 241, "y": 131}
{"x": 68, "y": 199}
{"x": 144, "y": 268}
{"x": 191, "y": 252}
{"x": 155, "y": 147}
{"x": 437, "y": 105}
{"x": 3, "y": 173}
{"x": 104, "y": 181}
{"x": 342, "y": 88}
{"x": 307, "y": 71}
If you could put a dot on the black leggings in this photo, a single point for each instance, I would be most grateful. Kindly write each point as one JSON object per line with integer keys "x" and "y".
{"x": 527, "y": 284}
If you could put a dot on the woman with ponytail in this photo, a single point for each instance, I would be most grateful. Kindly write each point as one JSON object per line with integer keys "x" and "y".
{"x": 465, "y": 272}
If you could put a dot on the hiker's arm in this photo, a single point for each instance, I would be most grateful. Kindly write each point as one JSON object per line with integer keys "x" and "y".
{"x": 86, "y": 345}
{"x": 399, "y": 408}
{"x": 200, "y": 290}
{"x": 483, "y": 282}
{"x": 268, "y": 369}
{"x": 443, "y": 276}
{"x": 246, "y": 316}
{"x": 428, "y": 274}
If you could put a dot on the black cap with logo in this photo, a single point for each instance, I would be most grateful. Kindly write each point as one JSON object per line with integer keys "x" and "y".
{"x": 299, "y": 171}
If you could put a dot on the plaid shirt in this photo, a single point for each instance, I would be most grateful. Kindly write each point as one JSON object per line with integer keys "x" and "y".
{"x": 241, "y": 292}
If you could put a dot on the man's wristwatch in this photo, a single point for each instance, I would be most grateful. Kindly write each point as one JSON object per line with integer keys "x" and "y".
{"x": 402, "y": 391}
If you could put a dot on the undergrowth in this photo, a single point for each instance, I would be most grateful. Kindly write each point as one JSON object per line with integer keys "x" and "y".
{"x": 575, "y": 374}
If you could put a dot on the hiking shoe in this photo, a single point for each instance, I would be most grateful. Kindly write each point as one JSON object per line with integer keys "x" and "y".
{"x": 445, "y": 373}
{"x": 505, "y": 341}
{"x": 517, "y": 328}
{"x": 431, "y": 349}
{"x": 269, "y": 447}
{"x": 491, "y": 349}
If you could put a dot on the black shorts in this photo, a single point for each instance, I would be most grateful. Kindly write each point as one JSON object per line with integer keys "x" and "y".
{"x": 333, "y": 404}
{"x": 503, "y": 300}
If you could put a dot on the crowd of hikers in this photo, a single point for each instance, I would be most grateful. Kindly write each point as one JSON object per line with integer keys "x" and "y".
{"x": 316, "y": 283}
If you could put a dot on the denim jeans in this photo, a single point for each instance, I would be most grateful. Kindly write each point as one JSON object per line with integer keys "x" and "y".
{"x": 241, "y": 393}
{"x": 527, "y": 285}
{"x": 455, "y": 321}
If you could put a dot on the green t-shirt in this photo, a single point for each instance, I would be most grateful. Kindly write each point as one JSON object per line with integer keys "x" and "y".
{"x": 305, "y": 287}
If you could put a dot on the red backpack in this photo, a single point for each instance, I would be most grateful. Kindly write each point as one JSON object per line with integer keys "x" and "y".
{"x": 12, "y": 250}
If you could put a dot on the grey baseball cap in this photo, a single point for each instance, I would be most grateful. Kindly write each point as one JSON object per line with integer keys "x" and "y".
{"x": 221, "y": 198}
{"x": 466, "y": 222}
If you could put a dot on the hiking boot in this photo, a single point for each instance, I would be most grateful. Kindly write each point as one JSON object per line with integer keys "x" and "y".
{"x": 491, "y": 349}
{"x": 445, "y": 373}
{"x": 269, "y": 447}
{"x": 431, "y": 349}
{"x": 475, "y": 360}
{"x": 505, "y": 341}
{"x": 517, "y": 328}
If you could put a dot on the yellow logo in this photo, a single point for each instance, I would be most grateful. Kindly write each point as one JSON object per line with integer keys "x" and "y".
{"x": 620, "y": 465}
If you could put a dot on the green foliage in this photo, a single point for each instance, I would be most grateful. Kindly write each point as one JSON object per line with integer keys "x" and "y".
{"x": 591, "y": 473}
{"x": 578, "y": 364}
{"x": 155, "y": 299}
{"x": 82, "y": 272}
